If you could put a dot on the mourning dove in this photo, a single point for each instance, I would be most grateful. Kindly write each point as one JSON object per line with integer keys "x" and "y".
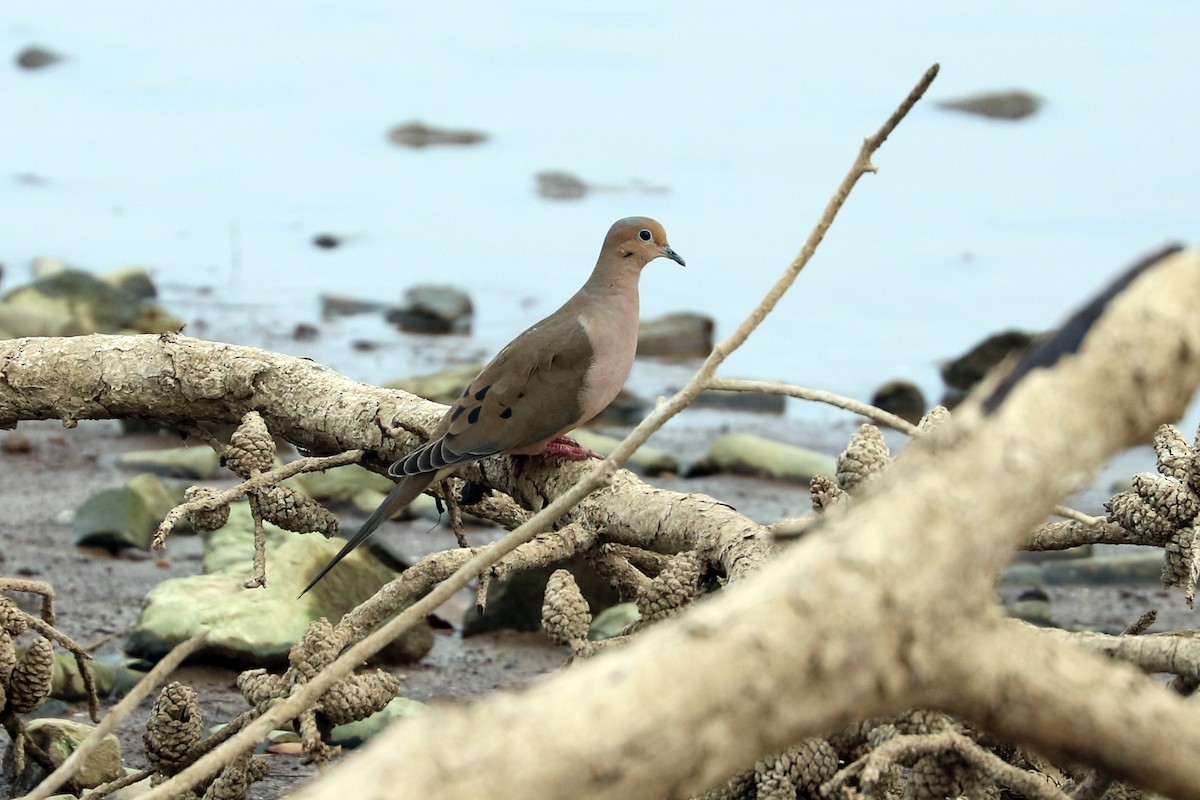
{"x": 552, "y": 378}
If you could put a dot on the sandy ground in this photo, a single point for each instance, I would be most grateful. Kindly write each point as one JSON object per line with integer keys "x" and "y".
{"x": 99, "y": 596}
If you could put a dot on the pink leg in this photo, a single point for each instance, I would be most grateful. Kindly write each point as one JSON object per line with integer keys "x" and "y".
{"x": 568, "y": 448}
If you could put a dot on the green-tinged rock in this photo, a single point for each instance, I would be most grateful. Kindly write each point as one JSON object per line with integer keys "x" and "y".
{"x": 134, "y": 280}
{"x": 232, "y": 545}
{"x": 114, "y": 519}
{"x": 746, "y": 454}
{"x": 198, "y": 462}
{"x": 753, "y": 402}
{"x": 648, "y": 460}
{"x": 94, "y": 305}
{"x": 59, "y": 738}
{"x": 158, "y": 497}
{"x": 611, "y": 621}
{"x": 21, "y": 320}
{"x": 354, "y": 734}
{"x": 1033, "y": 606}
{"x": 440, "y": 387}
{"x": 340, "y": 484}
{"x": 110, "y": 679}
{"x": 259, "y": 626}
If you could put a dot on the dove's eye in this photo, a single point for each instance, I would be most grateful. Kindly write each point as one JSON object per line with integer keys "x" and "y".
{"x": 645, "y": 235}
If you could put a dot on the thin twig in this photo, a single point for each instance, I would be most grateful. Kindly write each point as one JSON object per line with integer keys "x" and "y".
{"x": 600, "y": 474}
{"x": 817, "y": 396}
{"x": 117, "y": 713}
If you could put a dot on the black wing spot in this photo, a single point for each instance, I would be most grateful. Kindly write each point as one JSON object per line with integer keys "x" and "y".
{"x": 466, "y": 391}
{"x": 473, "y": 417}
{"x": 457, "y": 412}
{"x": 482, "y": 392}
{"x": 506, "y": 413}
{"x": 520, "y": 395}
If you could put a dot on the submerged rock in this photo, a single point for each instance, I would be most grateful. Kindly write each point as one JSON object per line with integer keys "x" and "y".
{"x": 1010, "y": 105}
{"x": 433, "y": 309}
{"x": 756, "y": 402}
{"x": 418, "y": 134}
{"x": 683, "y": 335}
{"x": 746, "y": 454}
{"x": 336, "y": 305}
{"x": 440, "y": 387}
{"x": 557, "y": 185}
{"x": 647, "y": 460}
{"x": 37, "y": 57}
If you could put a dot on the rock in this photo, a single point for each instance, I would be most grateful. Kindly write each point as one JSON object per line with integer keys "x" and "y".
{"x": 326, "y": 241}
{"x": 90, "y": 304}
{"x": 418, "y": 134}
{"x": 440, "y": 387}
{"x": 611, "y": 621}
{"x": 134, "y": 280}
{"x": 336, "y": 305}
{"x": 647, "y": 460}
{"x": 1032, "y": 605}
{"x": 18, "y": 321}
{"x": 626, "y": 409}
{"x": 746, "y": 454}
{"x": 962, "y": 373}
{"x": 678, "y": 336}
{"x": 59, "y": 738}
{"x": 16, "y": 443}
{"x": 110, "y": 678}
{"x": 304, "y": 332}
{"x": 556, "y": 185}
{"x": 35, "y": 56}
{"x": 902, "y": 398}
{"x": 45, "y": 266}
{"x": 355, "y": 734}
{"x": 341, "y": 484}
{"x": 234, "y": 616}
{"x": 1011, "y": 105}
{"x": 114, "y": 519}
{"x": 757, "y": 402}
{"x": 433, "y": 309}
{"x": 199, "y": 462}
{"x": 1141, "y": 567}
{"x": 516, "y": 603}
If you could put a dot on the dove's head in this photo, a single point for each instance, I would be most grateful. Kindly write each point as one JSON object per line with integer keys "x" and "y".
{"x": 638, "y": 238}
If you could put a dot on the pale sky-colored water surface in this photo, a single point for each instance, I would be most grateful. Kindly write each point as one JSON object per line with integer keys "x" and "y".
{"x": 172, "y": 126}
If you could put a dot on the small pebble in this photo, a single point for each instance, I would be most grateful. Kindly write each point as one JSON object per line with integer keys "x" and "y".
{"x": 326, "y": 241}
{"x": 17, "y": 443}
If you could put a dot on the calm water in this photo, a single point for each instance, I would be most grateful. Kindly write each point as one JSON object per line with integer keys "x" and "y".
{"x": 210, "y": 141}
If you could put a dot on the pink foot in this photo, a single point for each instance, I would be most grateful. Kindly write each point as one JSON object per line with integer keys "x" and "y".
{"x": 568, "y": 448}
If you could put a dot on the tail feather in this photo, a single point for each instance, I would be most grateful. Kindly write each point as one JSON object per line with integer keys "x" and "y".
{"x": 400, "y": 496}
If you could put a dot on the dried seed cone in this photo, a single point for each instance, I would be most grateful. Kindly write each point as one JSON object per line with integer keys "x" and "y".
{"x": 673, "y": 588}
{"x": 865, "y": 457}
{"x": 1179, "y": 551}
{"x": 565, "y": 614}
{"x": 233, "y": 782}
{"x": 358, "y": 696}
{"x": 8, "y": 658}
{"x": 818, "y": 762}
{"x": 251, "y": 448}
{"x": 29, "y": 682}
{"x": 739, "y": 787}
{"x": 934, "y": 417}
{"x": 174, "y": 728}
{"x": 293, "y": 511}
{"x": 206, "y": 520}
{"x": 315, "y": 650}
{"x": 801, "y": 768}
{"x": 1170, "y": 497}
{"x": 1135, "y": 515}
{"x": 825, "y": 493}
{"x": 11, "y": 618}
{"x": 1174, "y": 453}
{"x": 938, "y": 776}
{"x": 260, "y": 687}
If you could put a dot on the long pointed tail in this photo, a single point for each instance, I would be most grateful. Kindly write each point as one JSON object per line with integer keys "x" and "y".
{"x": 400, "y": 496}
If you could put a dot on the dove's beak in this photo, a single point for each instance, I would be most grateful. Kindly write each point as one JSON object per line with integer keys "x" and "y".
{"x": 671, "y": 254}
